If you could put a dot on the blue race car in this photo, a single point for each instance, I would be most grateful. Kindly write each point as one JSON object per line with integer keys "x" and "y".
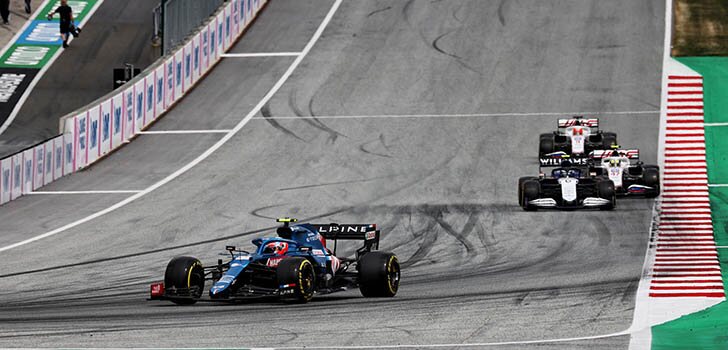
{"x": 293, "y": 267}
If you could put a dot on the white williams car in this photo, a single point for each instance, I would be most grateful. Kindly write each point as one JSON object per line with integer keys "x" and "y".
{"x": 567, "y": 187}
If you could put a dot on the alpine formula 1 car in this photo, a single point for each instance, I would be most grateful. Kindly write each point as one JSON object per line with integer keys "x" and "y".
{"x": 293, "y": 267}
{"x": 575, "y": 136}
{"x": 630, "y": 176}
{"x": 569, "y": 186}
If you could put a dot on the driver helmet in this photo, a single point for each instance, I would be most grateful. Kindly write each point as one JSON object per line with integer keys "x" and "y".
{"x": 615, "y": 162}
{"x": 574, "y": 173}
{"x": 277, "y": 248}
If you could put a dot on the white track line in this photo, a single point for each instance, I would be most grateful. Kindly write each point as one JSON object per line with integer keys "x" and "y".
{"x": 178, "y": 132}
{"x": 715, "y": 124}
{"x": 83, "y": 192}
{"x": 717, "y": 185}
{"x": 471, "y": 115}
{"x": 261, "y": 54}
{"x": 428, "y": 346}
{"x": 457, "y": 345}
{"x": 204, "y": 155}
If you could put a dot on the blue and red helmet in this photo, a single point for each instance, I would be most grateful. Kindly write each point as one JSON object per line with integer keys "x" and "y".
{"x": 277, "y": 248}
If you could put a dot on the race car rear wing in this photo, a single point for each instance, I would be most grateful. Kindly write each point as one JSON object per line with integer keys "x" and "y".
{"x": 366, "y": 232}
{"x": 627, "y": 153}
{"x": 578, "y": 120}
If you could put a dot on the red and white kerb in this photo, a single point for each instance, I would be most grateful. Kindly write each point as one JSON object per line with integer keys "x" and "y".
{"x": 686, "y": 260}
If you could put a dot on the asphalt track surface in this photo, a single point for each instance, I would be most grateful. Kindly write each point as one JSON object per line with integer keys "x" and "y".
{"x": 476, "y": 268}
{"x": 119, "y": 32}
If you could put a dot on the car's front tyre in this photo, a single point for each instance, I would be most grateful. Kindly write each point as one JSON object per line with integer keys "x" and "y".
{"x": 186, "y": 275}
{"x": 651, "y": 176}
{"x": 299, "y": 273}
{"x": 606, "y": 191}
{"x": 531, "y": 191}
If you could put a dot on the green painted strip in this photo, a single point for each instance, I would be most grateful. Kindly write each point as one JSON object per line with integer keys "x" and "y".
{"x": 719, "y": 210}
{"x": 715, "y": 85}
{"x": 706, "y": 330}
{"x": 81, "y": 9}
{"x": 716, "y": 155}
{"x": 28, "y": 56}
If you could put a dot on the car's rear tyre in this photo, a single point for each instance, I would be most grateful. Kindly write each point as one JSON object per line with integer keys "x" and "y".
{"x": 609, "y": 139}
{"x": 531, "y": 191}
{"x": 299, "y": 272}
{"x": 651, "y": 176}
{"x": 186, "y": 273}
{"x": 606, "y": 191}
{"x": 545, "y": 144}
{"x": 378, "y": 274}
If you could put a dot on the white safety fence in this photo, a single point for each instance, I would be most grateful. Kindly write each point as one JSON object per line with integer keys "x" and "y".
{"x": 106, "y": 124}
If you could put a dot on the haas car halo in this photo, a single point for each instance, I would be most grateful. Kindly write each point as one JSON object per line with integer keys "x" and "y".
{"x": 630, "y": 176}
{"x": 567, "y": 186}
{"x": 294, "y": 266}
{"x": 575, "y": 136}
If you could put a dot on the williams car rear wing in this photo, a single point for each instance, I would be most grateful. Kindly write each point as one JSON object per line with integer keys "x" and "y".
{"x": 627, "y": 153}
{"x": 563, "y": 160}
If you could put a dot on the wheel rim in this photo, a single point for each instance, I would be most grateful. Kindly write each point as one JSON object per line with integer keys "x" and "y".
{"x": 196, "y": 282}
{"x": 306, "y": 279}
{"x": 393, "y": 274}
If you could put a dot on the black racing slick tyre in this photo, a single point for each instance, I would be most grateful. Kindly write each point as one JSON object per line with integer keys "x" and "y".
{"x": 378, "y": 274}
{"x": 609, "y": 139}
{"x": 545, "y": 144}
{"x": 186, "y": 275}
{"x": 651, "y": 176}
{"x": 521, "y": 181}
{"x": 606, "y": 191}
{"x": 299, "y": 272}
{"x": 531, "y": 191}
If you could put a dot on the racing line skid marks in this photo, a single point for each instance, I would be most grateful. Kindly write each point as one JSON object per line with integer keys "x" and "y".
{"x": 686, "y": 260}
